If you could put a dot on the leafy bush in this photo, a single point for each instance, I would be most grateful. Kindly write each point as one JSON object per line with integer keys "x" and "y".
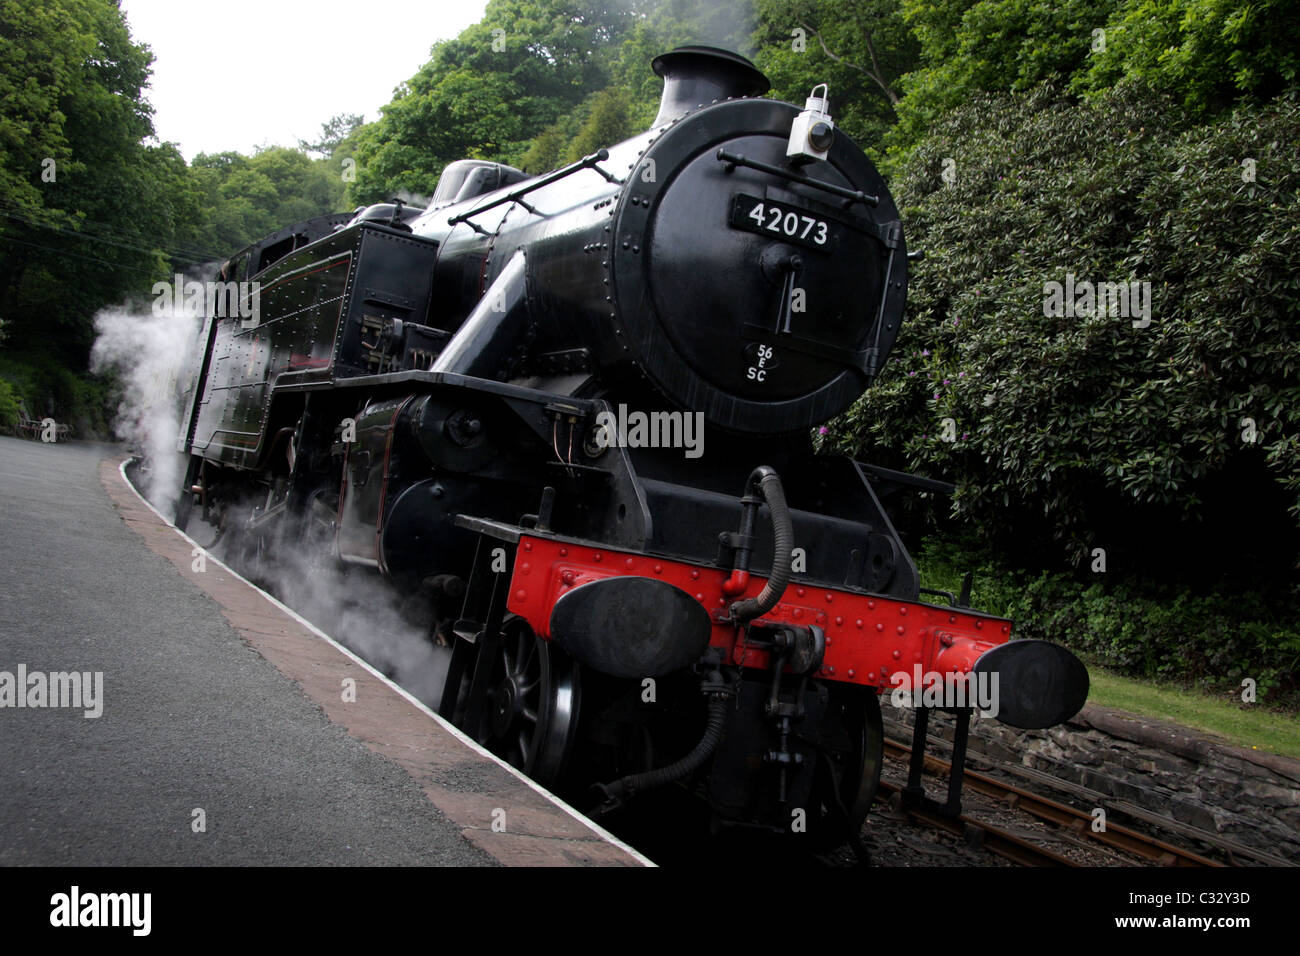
{"x": 83, "y": 401}
{"x": 974, "y": 46}
{"x": 8, "y": 406}
{"x": 1212, "y": 641}
{"x": 1089, "y": 431}
{"x": 1206, "y": 54}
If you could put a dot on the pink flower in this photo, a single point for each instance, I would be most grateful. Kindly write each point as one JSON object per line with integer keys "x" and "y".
{"x": 823, "y": 430}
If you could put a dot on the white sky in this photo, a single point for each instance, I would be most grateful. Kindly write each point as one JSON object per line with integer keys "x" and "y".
{"x": 238, "y": 74}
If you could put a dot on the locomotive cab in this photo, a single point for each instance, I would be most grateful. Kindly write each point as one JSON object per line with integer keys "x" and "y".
{"x": 467, "y": 179}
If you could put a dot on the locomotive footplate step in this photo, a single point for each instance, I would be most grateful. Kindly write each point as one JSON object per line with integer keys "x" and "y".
{"x": 913, "y": 795}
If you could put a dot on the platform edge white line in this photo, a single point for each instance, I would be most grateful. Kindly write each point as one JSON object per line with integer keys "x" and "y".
{"x": 442, "y": 722}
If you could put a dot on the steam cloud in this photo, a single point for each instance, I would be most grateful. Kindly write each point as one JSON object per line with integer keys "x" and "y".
{"x": 154, "y": 357}
{"x": 353, "y": 605}
{"x": 414, "y": 199}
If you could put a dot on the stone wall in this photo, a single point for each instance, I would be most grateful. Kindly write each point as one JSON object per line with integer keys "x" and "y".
{"x": 1140, "y": 769}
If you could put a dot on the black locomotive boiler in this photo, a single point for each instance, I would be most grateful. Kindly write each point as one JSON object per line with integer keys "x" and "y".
{"x": 571, "y": 415}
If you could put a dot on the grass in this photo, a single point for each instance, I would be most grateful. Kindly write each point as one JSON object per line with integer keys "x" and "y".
{"x": 1246, "y": 725}
{"x": 1251, "y": 726}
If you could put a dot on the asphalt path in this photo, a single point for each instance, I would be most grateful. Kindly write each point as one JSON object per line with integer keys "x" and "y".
{"x": 205, "y": 752}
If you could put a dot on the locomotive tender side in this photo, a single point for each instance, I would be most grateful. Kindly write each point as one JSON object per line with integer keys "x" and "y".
{"x": 430, "y": 393}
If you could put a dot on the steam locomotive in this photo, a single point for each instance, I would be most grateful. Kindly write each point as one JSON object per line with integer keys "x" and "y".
{"x": 571, "y": 415}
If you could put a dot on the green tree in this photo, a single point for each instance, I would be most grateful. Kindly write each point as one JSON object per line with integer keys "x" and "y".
{"x": 1206, "y": 53}
{"x": 86, "y": 207}
{"x": 1086, "y": 429}
{"x": 333, "y": 133}
{"x": 486, "y": 93}
{"x": 247, "y": 197}
{"x": 628, "y": 103}
{"x": 546, "y": 151}
{"x": 672, "y": 23}
{"x": 861, "y": 50}
{"x": 608, "y": 121}
{"x": 973, "y": 46}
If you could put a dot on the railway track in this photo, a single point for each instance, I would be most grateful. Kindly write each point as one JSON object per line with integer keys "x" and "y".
{"x": 994, "y": 839}
{"x": 1222, "y": 849}
{"x": 1076, "y": 826}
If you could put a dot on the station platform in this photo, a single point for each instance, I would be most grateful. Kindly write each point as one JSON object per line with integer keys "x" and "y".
{"x": 231, "y": 731}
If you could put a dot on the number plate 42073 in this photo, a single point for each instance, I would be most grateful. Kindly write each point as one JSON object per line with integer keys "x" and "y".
{"x": 786, "y": 223}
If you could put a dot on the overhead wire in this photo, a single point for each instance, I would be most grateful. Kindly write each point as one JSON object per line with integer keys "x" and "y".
{"x": 171, "y": 252}
{"x": 76, "y": 255}
{"x": 97, "y": 228}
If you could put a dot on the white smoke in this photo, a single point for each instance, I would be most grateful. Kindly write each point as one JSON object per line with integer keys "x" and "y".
{"x": 351, "y": 604}
{"x": 152, "y": 352}
{"x": 414, "y": 199}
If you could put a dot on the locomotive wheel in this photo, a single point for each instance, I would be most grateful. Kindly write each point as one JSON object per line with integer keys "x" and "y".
{"x": 530, "y": 711}
{"x": 848, "y": 769}
{"x": 316, "y": 529}
{"x": 253, "y": 556}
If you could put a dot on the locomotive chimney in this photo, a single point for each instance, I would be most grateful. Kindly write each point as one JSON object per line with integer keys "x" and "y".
{"x": 698, "y": 75}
